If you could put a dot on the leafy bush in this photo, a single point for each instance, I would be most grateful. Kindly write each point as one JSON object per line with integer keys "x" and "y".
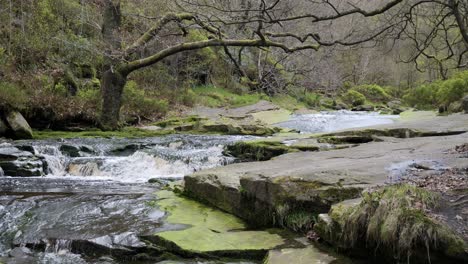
{"x": 423, "y": 97}
{"x": 451, "y": 91}
{"x": 353, "y": 97}
{"x": 12, "y": 96}
{"x": 373, "y": 93}
{"x": 135, "y": 101}
{"x": 430, "y": 96}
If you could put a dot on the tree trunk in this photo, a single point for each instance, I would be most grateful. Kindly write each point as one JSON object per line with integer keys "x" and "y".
{"x": 112, "y": 81}
{"x": 112, "y": 85}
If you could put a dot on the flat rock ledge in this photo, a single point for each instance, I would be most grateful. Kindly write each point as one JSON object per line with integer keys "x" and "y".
{"x": 291, "y": 190}
{"x": 264, "y": 192}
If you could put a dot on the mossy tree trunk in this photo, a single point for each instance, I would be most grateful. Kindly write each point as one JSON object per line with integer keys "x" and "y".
{"x": 112, "y": 81}
{"x": 112, "y": 85}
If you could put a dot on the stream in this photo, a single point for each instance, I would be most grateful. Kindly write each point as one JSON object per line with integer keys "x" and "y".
{"x": 92, "y": 198}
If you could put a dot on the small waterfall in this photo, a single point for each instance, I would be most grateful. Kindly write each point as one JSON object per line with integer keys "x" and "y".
{"x": 133, "y": 160}
{"x": 56, "y": 162}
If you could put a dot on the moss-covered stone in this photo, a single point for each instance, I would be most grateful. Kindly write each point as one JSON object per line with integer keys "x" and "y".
{"x": 175, "y": 122}
{"x": 210, "y": 232}
{"x": 263, "y": 150}
{"x": 393, "y": 222}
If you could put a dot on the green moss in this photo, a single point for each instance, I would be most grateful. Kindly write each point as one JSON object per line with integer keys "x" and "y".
{"x": 263, "y": 150}
{"x": 212, "y": 96}
{"x": 128, "y": 132}
{"x": 210, "y": 230}
{"x": 179, "y": 121}
{"x": 273, "y": 116}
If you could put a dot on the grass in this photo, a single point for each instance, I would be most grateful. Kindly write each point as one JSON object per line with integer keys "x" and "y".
{"x": 212, "y": 96}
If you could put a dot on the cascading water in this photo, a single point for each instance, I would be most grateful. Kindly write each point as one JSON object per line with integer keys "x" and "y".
{"x": 94, "y": 194}
{"x": 134, "y": 160}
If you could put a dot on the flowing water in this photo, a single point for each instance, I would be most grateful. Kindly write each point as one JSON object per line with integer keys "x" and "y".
{"x": 336, "y": 120}
{"x": 93, "y": 199}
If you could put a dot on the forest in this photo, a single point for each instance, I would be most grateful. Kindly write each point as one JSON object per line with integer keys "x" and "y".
{"x": 54, "y": 55}
{"x": 233, "y": 131}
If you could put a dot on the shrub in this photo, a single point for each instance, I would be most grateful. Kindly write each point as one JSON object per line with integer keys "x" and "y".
{"x": 373, "y": 93}
{"x": 423, "y": 97}
{"x": 135, "y": 101}
{"x": 12, "y": 96}
{"x": 354, "y": 98}
{"x": 452, "y": 90}
{"x": 430, "y": 96}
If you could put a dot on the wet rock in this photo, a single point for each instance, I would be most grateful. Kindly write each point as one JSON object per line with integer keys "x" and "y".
{"x": 27, "y": 148}
{"x": 15, "y": 162}
{"x": 3, "y": 128}
{"x": 19, "y": 126}
{"x": 368, "y": 108}
{"x": 127, "y": 150}
{"x": 465, "y": 104}
{"x": 347, "y": 139}
{"x": 20, "y": 252}
{"x": 262, "y": 150}
{"x": 307, "y": 255}
{"x": 76, "y": 151}
{"x": 69, "y": 150}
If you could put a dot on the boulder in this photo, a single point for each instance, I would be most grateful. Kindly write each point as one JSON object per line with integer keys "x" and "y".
{"x": 367, "y": 108}
{"x": 19, "y": 125}
{"x": 15, "y": 162}
{"x": 3, "y": 128}
{"x": 465, "y": 104}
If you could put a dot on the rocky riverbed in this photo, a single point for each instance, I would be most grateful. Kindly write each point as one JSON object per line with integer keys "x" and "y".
{"x": 89, "y": 200}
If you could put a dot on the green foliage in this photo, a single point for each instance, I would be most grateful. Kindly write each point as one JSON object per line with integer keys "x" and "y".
{"x": 212, "y": 96}
{"x": 137, "y": 102}
{"x": 12, "y": 96}
{"x": 353, "y": 97}
{"x": 91, "y": 97}
{"x": 430, "y": 96}
{"x": 373, "y": 93}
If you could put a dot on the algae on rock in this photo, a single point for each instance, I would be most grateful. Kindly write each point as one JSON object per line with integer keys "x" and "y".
{"x": 210, "y": 232}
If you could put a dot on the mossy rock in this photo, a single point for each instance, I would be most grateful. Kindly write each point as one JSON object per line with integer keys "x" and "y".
{"x": 175, "y": 122}
{"x": 354, "y": 139}
{"x": 210, "y": 232}
{"x": 393, "y": 222}
{"x": 262, "y": 150}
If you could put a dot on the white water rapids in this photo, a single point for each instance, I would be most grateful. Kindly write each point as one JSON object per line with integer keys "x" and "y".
{"x": 135, "y": 160}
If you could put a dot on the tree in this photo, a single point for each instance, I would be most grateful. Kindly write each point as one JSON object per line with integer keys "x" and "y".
{"x": 438, "y": 32}
{"x": 263, "y": 23}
